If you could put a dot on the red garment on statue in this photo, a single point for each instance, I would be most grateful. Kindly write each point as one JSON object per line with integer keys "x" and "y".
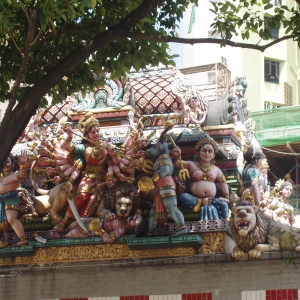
{"x": 161, "y": 213}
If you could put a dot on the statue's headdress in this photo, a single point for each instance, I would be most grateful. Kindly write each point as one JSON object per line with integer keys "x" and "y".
{"x": 264, "y": 164}
{"x": 288, "y": 175}
{"x": 87, "y": 122}
{"x": 190, "y": 94}
{"x": 281, "y": 184}
{"x": 207, "y": 141}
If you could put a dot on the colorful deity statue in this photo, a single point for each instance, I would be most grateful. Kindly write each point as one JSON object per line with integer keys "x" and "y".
{"x": 166, "y": 199}
{"x": 195, "y": 113}
{"x": 119, "y": 211}
{"x": 277, "y": 205}
{"x": 9, "y": 200}
{"x": 249, "y": 173}
{"x": 98, "y": 156}
{"x": 204, "y": 175}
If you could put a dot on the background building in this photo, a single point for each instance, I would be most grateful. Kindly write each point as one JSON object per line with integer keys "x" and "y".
{"x": 273, "y": 75}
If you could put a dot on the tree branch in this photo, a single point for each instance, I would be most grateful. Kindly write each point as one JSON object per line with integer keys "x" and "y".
{"x": 20, "y": 75}
{"x": 12, "y": 37}
{"x": 168, "y": 39}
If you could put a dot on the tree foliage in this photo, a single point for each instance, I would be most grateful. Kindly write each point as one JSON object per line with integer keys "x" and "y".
{"x": 245, "y": 18}
{"x": 56, "y": 47}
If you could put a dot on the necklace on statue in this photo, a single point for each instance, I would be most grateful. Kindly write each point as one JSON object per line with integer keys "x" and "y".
{"x": 5, "y": 176}
{"x": 204, "y": 169}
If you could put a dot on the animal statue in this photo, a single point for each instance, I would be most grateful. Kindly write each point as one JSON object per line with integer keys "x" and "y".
{"x": 54, "y": 203}
{"x": 108, "y": 208}
{"x": 118, "y": 212}
{"x": 254, "y": 233}
{"x": 166, "y": 199}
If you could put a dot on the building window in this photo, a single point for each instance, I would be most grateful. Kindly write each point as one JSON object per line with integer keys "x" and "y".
{"x": 274, "y": 31}
{"x": 276, "y": 2}
{"x": 272, "y": 71}
{"x": 271, "y": 105}
{"x": 288, "y": 94}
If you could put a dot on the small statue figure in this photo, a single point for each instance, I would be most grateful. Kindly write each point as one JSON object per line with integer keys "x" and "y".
{"x": 9, "y": 200}
{"x": 166, "y": 199}
{"x": 194, "y": 114}
{"x": 108, "y": 230}
{"x": 249, "y": 174}
{"x": 277, "y": 206}
{"x": 288, "y": 177}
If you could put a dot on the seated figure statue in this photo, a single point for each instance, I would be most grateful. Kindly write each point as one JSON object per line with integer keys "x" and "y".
{"x": 201, "y": 192}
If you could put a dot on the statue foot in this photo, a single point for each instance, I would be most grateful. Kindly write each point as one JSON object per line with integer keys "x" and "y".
{"x": 56, "y": 235}
{"x": 60, "y": 227}
{"x": 3, "y": 244}
{"x": 181, "y": 232}
{"x": 23, "y": 241}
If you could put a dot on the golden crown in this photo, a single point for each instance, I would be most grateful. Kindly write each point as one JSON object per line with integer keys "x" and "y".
{"x": 208, "y": 141}
{"x": 169, "y": 123}
{"x": 87, "y": 122}
{"x": 264, "y": 164}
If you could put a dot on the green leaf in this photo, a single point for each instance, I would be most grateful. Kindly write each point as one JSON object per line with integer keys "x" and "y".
{"x": 266, "y": 7}
{"x": 224, "y": 7}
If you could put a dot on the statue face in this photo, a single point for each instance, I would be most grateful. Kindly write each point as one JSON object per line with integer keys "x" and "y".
{"x": 123, "y": 207}
{"x": 207, "y": 153}
{"x": 258, "y": 163}
{"x": 8, "y": 165}
{"x": 193, "y": 103}
{"x": 286, "y": 191}
{"x": 244, "y": 219}
{"x": 94, "y": 133}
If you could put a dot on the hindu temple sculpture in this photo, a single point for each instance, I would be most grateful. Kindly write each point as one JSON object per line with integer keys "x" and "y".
{"x": 255, "y": 233}
{"x": 195, "y": 106}
{"x": 138, "y": 157}
{"x": 277, "y": 207}
{"x": 166, "y": 199}
{"x": 119, "y": 211}
{"x": 112, "y": 94}
{"x": 202, "y": 189}
{"x": 249, "y": 174}
{"x": 9, "y": 199}
{"x": 230, "y": 108}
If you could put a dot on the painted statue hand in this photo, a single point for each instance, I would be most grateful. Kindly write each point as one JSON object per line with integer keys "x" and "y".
{"x": 110, "y": 183}
{"x": 140, "y": 154}
{"x": 206, "y": 201}
{"x": 176, "y": 152}
{"x": 68, "y": 186}
{"x": 110, "y": 216}
{"x": 224, "y": 199}
{"x": 22, "y": 158}
{"x": 57, "y": 180}
{"x": 135, "y": 220}
{"x": 101, "y": 186}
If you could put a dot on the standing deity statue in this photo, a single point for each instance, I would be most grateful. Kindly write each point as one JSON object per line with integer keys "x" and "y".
{"x": 9, "y": 199}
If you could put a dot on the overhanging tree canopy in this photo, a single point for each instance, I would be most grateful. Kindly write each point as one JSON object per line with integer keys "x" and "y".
{"x": 56, "y": 46}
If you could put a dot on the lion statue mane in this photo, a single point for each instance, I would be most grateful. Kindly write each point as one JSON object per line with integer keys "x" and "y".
{"x": 255, "y": 233}
{"x": 121, "y": 189}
